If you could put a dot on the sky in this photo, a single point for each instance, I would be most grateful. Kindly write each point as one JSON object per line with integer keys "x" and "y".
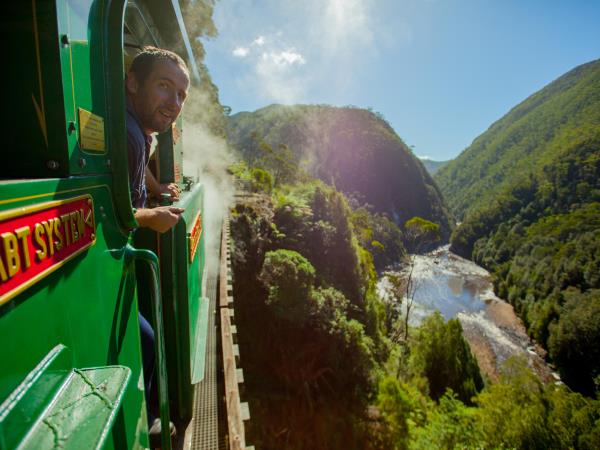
{"x": 440, "y": 71}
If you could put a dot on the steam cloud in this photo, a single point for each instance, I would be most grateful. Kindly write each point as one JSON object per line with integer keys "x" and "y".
{"x": 206, "y": 157}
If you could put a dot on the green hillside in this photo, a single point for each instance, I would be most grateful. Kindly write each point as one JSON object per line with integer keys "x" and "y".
{"x": 354, "y": 149}
{"x": 528, "y": 194}
{"x": 532, "y": 135}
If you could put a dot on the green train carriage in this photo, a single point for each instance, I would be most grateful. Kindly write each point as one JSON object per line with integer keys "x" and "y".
{"x": 71, "y": 268}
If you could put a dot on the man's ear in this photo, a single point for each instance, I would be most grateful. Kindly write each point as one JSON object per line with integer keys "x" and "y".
{"x": 131, "y": 83}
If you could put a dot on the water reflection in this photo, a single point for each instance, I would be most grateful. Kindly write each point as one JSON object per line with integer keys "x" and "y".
{"x": 449, "y": 284}
{"x": 455, "y": 284}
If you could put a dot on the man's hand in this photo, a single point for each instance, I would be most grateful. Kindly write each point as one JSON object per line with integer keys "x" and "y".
{"x": 161, "y": 218}
{"x": 171, "y": 188}
{"x": 156, "y": 189}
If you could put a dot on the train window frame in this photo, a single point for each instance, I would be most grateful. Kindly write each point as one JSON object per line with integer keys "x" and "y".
{"x": 139, "y": 31}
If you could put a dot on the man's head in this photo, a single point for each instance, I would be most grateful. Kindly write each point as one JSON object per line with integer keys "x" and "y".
{"x": 157, "y": 85}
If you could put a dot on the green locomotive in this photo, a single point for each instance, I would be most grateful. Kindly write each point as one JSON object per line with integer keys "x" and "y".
{"x": 73, "y": 274}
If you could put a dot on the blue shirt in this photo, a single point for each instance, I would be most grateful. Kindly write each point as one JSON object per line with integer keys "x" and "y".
{"x": 138, "y": 152}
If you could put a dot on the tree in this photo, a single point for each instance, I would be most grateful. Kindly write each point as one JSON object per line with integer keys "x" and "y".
{"x": 281, "y": 162}
{"x": 441, "y": 354}
{"x": 289, "y": 277}
{"x": 419, "y": 233}
{"x": 396, "y": 404}
{"x": 402, "y": 290}
{"x": 261, "y": 180}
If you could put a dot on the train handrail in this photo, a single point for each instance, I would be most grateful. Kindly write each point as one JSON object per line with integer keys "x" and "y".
{"x": 151, "y": 259}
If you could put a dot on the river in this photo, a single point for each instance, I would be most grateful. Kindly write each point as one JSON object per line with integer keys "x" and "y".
{"x": 461, "y": 289}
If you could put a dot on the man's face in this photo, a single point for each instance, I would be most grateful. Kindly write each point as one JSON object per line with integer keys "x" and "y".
{"x": 158, "y": 101}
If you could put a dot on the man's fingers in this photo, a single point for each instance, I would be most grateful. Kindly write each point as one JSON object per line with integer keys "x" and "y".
{"x": 172, "y": 189}
{"x": 176, "y": 210}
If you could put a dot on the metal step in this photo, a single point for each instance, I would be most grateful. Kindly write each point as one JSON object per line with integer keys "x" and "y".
{"x": 205, "y": 424}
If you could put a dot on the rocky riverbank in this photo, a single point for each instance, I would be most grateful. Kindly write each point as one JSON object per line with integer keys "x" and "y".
{"x": 460, "y": 288}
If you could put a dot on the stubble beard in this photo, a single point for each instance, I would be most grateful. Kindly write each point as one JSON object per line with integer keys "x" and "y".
{"x": 155, "y": 122}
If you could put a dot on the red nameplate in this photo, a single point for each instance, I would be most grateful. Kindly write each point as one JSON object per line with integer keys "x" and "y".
{"x": 194, "y": 236}
{"x": 36, "y": 240}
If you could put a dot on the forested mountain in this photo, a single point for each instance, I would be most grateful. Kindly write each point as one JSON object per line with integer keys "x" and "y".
{"x": 353, "y": 149}
{"x": 528, "y": 194}
{"x": 433, "y": 166}
{"x": 534, "y": 134}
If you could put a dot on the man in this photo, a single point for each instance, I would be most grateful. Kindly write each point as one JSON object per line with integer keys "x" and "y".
{"x": 156, "y": 86}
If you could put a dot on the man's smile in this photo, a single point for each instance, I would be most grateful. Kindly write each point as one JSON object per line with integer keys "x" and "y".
{"x": 165, "y": 113}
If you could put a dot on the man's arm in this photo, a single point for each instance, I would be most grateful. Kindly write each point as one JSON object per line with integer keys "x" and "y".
{"x": 156, "y": 188}
{"x": 160, "y": 219}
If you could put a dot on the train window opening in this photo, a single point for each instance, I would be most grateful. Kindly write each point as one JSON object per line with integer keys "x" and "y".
{"x": 139, "y": 31}
{"x": 140, "y": 25}
{"x": 131, "y": 44}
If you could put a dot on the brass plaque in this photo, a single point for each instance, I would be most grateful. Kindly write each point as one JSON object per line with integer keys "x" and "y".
{"x": 91, "y": 131}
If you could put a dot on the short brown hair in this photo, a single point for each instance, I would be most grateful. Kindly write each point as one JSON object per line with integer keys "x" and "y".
{"x": 143, "y": 63}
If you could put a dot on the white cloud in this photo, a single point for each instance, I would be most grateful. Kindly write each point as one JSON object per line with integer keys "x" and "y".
{"x": 240, "y": 52}
{"x": 277, "y": 76}
{"x": 284, "y": 58}
{"x": 304, "y": 47}
{"x": 275, "y": 73}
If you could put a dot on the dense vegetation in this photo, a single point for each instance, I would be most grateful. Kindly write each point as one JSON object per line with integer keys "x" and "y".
{"x": 533, "y": 218}
{"x": 309, "y": 324}
{"x": 313, "y": 332}
{"x": 517, "y": 412}
{"x": 353, "y": 149}
{"x": 326, "y": 367}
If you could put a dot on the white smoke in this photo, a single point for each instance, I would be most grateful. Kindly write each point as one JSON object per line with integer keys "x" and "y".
{"x": 206, "y": 158}
{"x": 317, "y": 135}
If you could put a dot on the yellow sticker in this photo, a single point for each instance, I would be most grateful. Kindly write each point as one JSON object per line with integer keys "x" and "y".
{"x": 91, "y": 131}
